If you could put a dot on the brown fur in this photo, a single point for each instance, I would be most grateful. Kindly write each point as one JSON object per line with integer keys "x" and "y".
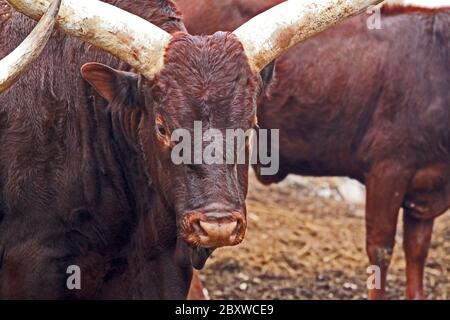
{"x": 209, "y": 16}
{"x": 66, "y": 195}
{"x": 373, "y": 105}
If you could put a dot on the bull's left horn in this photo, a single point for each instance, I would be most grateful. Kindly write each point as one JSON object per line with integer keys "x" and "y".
{"x": 19, "y": 60}
{"x": 132, "y": 39}
{"x": 268, "y": 35}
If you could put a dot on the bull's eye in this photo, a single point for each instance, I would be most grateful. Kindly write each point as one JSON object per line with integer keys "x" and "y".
{"x": 161, "y": 130}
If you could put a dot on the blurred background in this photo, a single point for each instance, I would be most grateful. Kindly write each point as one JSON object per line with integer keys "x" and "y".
{"x": 306, "y": 240}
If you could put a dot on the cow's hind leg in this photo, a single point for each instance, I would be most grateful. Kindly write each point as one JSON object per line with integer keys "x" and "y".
{"x": 416, "y": 242}
{"x": 386, "y": 186}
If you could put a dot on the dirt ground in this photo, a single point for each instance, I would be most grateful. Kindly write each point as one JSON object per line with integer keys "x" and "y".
{"x": 305, "y": 240}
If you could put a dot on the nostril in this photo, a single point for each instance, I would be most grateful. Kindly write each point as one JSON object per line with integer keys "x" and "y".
{"x": 237, "y": 228}
{"x": 196, "y": 225}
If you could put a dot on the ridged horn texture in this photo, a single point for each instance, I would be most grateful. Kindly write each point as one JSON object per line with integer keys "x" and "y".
{"x": 268, "y": 35}
{"x": 20, "y": 59}
{"x": 130, "y": 38}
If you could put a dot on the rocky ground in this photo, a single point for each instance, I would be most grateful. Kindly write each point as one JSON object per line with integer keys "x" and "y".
{"x": 305, "y": 240}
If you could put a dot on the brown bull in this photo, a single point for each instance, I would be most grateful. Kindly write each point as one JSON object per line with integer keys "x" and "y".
{"x": 88, "y": 179}
{"x": 373, "y": 105}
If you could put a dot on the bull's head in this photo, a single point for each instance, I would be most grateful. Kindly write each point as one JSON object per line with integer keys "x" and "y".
{"x": 205, "y": 80}
{"x": 180, "y": 79}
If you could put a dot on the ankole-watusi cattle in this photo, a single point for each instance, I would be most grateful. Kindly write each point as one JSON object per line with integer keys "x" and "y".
{"x": 371, "y": 104}
{"x": 90, "y": 182}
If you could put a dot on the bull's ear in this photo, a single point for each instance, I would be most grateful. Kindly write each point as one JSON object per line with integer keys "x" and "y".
{"x": 110, "y": 83}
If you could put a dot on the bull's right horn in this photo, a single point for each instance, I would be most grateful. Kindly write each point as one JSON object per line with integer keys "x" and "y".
{"x": 268, "y": 35}
{"x": 19, "y": 60}
{"x": 132, "y": 39}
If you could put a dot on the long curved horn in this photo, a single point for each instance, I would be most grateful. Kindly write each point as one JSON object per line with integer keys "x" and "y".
{"x": 268, "y": 35}
{"x": 18, "y": 61}
{"x": 132, "y": 39}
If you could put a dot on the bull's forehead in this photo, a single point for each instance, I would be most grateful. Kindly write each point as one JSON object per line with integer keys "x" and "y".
{"x": 182, "y": 113}
{"x": 208, "y": 79}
